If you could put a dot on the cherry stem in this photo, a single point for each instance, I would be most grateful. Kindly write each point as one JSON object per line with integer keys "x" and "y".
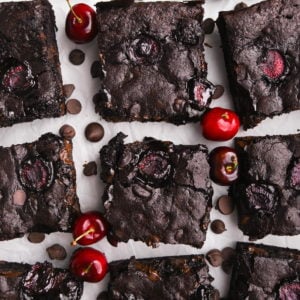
{"x": 225, "y": 116}
{"x": 79, "y": 20}
{"x": 74, "y": 242}
{"x": 86, "y": 270}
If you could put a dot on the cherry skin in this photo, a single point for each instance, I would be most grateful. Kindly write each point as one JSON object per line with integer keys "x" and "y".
{"x": 89, "y": 228}
{"x": 223, "y": 165}
{"x": 220, "y": 124}
{"x": 81, "y": 25}
{"x": 88, "y": 264}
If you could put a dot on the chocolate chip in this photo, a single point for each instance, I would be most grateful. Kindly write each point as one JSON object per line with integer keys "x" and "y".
{"x": 219, "y": 91}
{"x": 57, "y": 251}
{"x": 217, "y": 226}
{"x": 240, "y": 5}
{"x": 76, "y": 57}
{"x": 96, "y": 69}
{"x": 19, "y": 197}
{"x": 67, "y": 132}
{"x": 214, "y": 257}
{"x": 94, "y": 132}
{"x": 36, "y": 237}
{"x": 68, "y": 90}
{"x": 73, "y": 106}
{"x": 225, "y": 205}
{"x": 229, "y": 255}
{"x": 208, "y": 25}
{"x": 112, "y": 238}
{"x": 103, "y": 296}
{"x": 90, "y": 168}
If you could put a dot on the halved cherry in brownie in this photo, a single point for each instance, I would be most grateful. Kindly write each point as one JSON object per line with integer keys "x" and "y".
{"x": 289, "y": 291}
{"x": 295, "y": 175}
{"x": 199, "y": 91}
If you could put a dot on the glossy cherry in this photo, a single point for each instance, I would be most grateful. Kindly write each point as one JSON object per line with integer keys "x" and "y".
{"x": 89, "y": 228}
{"x": 81, "y": 25}
{"x": 220, "y": 124}
{"x": 223, "y": 165}
{"x": 88, "y": 264}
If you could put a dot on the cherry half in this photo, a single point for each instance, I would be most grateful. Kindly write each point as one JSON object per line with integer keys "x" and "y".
{"x": 223, "y": 165}
{"x": 88, "y": 264}
{"x": 81, "y": 25}
{"x": 89, "y": 228}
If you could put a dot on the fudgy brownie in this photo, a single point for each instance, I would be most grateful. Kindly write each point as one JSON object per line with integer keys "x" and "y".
{"x": 181, "y": 277}
{"x": 37, "y": 187}
{"x": 261, "y": 46}
{"x": 30, "y": 77}
{"x": 265, "y": 272}
{"x": 153, "y": 66}
{"x": 156, "y": 191}
{"x": 268, "y": 187}
{"x": 38, "y": 281}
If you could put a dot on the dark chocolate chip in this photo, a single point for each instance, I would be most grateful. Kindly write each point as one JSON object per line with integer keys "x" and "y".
{"x": 76, "y": 57}
{"x": 225, "y": 205}
{"x": 57, "y": 251}
{"x": 90, "y": 168}
{"x": 112, "y": 238}
{"x": 217, "y": 226}
{"x": 94, "y": 132}
{"x": 68, "y": 90}
{"x": 36, "y": 237}
{"x": 240, "y": 5}
{"x": 214, "y": 257}
{"x": 96, "y": 69}
{"x": 219, "y": 91}
{"x": 73, "y": 106}
{"x": 103, "y": 296}
{"x": 208, "y": 25}
{"x": 229, "y": 255}
{"x": 67, "y": 132}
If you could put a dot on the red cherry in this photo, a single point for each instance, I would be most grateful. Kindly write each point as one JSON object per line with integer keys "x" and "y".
{"x": 89, "y": 228}
{"x": 88, "y": 264}
{"x": 220, "y": 124}
{"x": 81, "y": 25}
{"x": 223, "y": 165}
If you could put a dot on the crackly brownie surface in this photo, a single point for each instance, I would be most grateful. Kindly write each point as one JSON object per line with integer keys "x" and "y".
{"x": 181, "y": 277}
{"x": 265, "y": 272}
{"x": 37, "y": 187}
{"x": 30, "y": 78}
{"x": 261, "y": 46}
{"x": 153, "y": 62}
{"x": 268, "y": 189}
{"x": 156, "y": 191}
{"x": 40, "y": 281}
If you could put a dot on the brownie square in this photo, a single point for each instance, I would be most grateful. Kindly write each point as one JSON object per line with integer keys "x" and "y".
{"x": 153, "y": 66}
{"x": 261, "y": 46}
{"x": 37, "y": 187}
{"x": 38, "y": 281}
{"x": 30, "y": 76}
{"x": 265, "y": 272}
{"x": 268, "y": 187}
{"x": 181, "y": 277}
{"x": 156, "y": 191}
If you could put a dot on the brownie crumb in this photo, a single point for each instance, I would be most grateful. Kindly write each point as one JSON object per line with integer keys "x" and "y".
{"x": 57, "y": 251}
{"x": 218, "y": 93}
{"x": 76, "y": 57}
{"x": 240, "y": 5}
{"x": 68, "y": 90}
{"x": 214, "y": 257}
{"x": 90, "y": 168}
{"x": 217, "y": 226}
{"x": 36, "y": 237}
{"x": 73, "y": 106}
{"x": 208, "y": 25}
{"x": 94, "y": 132}
{"x": 225, "y": 205}
{"x": 67, "y": 132}
{"x": 96, "y": 69}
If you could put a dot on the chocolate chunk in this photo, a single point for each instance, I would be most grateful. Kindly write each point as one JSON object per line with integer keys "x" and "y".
{"x": 217, "y": 226}
{"x": 73, "y": 106}
{"x": 219, "y": 91}
{"x": 76, "y": 57}
{"x": 228, "y": 255}
{"x": 68, "y": 90}
{"x": 225, "y": 205}
{"x": 90, "y": 168}
{"x": 208, "y": 25}
{"x": 67, "y": 131}
{"x": 214, "y": 257}
{"x": 19, "y": 197}
{"x": 57, "y": 251}
{"x": 36, "y": 237}
{"x": 240, "y": 5}
{"x": 94, "y": 132}
{"x": 96, "y": 69}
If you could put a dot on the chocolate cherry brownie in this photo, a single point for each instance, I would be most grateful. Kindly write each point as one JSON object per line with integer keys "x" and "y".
{"x": 265, "y": 272}
{"x": 30, "y": 77}
{"x": 38, "y": 281}
{"x": 156, "y": 191}
{"x": 268, "y": 187}
{"x": 181, "y": 277}
{"x": 37, "y": 187}
{"x": 152, "y": 59}
{"x": 261, "y": 46}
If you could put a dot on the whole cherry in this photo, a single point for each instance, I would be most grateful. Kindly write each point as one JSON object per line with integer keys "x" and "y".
{"x": 81, "y": 25}
{"x": 88, "y": 264}
{"x": 89, "y": 228}
{"x": 220, "y": 124}
{"x": 223, "y": 165}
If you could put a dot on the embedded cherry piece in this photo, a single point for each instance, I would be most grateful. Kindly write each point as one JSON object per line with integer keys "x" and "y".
{"x": 273, "y": 65}
{"x": 199, "y": 91}
{"x": 290, "y": 291}
{"x": 89, "y": 228}
{"x": 36, "y": 173}
{"x": 88, "y": 264}
{"x": 295, "y": 176}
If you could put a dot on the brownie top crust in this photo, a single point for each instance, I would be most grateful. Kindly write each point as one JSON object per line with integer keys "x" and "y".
{"x": 30, "y": 77}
